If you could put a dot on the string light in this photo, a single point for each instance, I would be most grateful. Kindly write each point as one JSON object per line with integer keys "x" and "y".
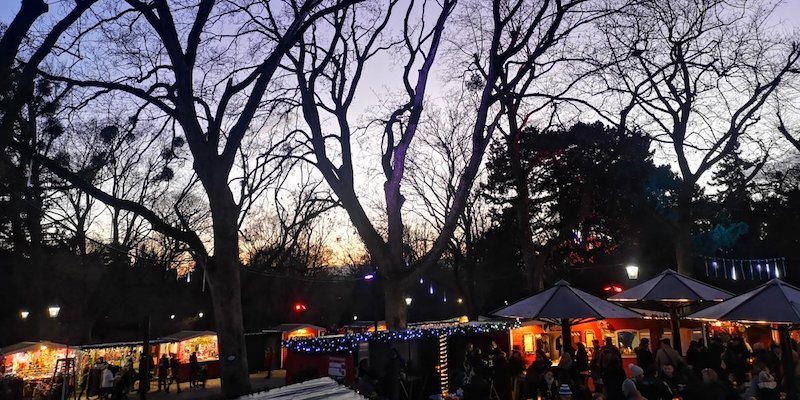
{"x": 349, "y": 343}
{"x": 444, "y": 382}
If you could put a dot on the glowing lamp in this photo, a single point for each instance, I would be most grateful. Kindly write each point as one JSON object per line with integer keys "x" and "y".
{"x": 24, "y": 314}
{"x": 299, "y": 307}
{"x": 200, "y": 314}
{"x": 460, "y": 301}
{"x": 355, "y": 317}
{"x": 172, "y": 316}
{"x": 53, "y": 311}
{"x": 408, "y": 301}
{"x": 369, "y": 277}
{"x": 632, "y": 271}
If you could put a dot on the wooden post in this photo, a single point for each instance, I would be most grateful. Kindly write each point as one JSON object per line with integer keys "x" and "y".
{"x": 145, "y": 360}
{"x": 676, "y": 328}
{"x": 566, "y": 336}
{"x": 787, "y": 361}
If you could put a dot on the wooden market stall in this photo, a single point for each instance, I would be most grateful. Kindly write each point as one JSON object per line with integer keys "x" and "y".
{"x": 295, "y": 331}
{"x": 28, "y": 368}
{"x": 184, "y": 343}
{"x": 117, "y": 353}
{"x": 33, "y": 360}
{"x": 432, "y": 353}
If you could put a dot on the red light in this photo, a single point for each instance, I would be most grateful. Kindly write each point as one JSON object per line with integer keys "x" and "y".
{"x": 607, "y": 288}
{"x": 300, "y": 307}
{"x": 617, "y": 289}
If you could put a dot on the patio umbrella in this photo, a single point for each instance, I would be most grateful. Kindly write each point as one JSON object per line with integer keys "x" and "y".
{"x": 774, "y": 302}
{"x": 672, "y": 289}
{"x": 565, "y": 305}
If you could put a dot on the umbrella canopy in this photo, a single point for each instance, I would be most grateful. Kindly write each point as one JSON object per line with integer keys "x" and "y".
{"x": 563, "y": 301}
{"x": 670, "y": 286}
{"x": 774, "y": 302}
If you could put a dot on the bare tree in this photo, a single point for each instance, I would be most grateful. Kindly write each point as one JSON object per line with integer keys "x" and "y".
{"x": 183, "y": 72}
{"x": 699, "y": 75}
{"x": 333, "y": 62}
{"x": 19, "y": 62}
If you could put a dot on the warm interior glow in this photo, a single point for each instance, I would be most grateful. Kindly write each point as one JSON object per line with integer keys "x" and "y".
{"x": 527, "y": 343}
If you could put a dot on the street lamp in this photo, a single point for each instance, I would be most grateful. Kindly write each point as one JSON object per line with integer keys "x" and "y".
{"x": 369, "y": 277}
{"x": 172, "y": 316}
{"x": 24, "y": 314}
{"x": 53, "y": 311}
{"x": 409, "y": 300}
{"x": 200, "y": 314}
{"x": 633, "y": 271}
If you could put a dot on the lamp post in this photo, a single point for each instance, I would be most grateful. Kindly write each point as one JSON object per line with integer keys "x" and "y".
{"x": 371, "y": 279}
{"x": 633, "y": 271}
{"x": 53, "y": 311}
{"x": 24, "y": 314}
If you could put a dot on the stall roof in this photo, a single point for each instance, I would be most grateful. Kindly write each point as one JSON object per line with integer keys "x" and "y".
{"x": 120, "y": 344}
{"x": 28, "y": 346}
{"x": 186, "y": 335}
{"x": 322, "y": 388}
{"x": 292, "y": 327}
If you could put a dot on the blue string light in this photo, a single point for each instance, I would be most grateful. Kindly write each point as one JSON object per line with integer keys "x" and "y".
{"x": 349, "y": 343}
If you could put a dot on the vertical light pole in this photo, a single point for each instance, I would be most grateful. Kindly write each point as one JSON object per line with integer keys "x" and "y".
{"x": 374, "y": 282}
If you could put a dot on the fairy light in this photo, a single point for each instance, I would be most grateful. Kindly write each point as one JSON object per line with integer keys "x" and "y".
{"x": 444, "y": 381}
{"x": 349, "y": 343}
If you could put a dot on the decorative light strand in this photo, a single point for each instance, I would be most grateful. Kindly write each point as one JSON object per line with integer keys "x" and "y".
{"x": 444, "y": 380}
{"x": 349, "y": 343}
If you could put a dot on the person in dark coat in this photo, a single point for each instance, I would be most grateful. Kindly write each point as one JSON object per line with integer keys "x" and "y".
{"x": 581, "y": 358}
{"x": 644, "y": 356}
{"x": 175, "y": 369}
{"x": 194, "y": 369}
{"x": 268, "y": 355}
{"x": 613, "y": 375}
{"x": 393, "y": 373}
{"x": 163, "y": 373}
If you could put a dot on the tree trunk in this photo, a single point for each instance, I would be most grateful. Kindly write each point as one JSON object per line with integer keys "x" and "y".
{"x": 395, "y": 304}
{"x": 683, "y": 234}
{"x": 225, "y": 284}
{"x": 522, "y": 210}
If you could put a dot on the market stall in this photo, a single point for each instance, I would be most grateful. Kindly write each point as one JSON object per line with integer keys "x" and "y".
{"x": 29, "y": 367}
{"x": 33, "y": 360}
{"x": 431, "y": 352}
{"x": 295, "y": 331}
{"x": 184, "y": 343}
{"x": 625, "y": 334}
{"x": 116, "y": 353}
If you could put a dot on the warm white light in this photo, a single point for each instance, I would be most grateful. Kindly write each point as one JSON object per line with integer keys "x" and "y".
{"x": 408, "y": 301}
{"x": 172, "y": 316}
{"x": 24, "y": 314}
{"x": 200, "y": 314}
{"x": 460, "y": 300}
{"x": 633, "y": 271}
{"x": 355, "y": 317}
{"x": 53, "y": 311}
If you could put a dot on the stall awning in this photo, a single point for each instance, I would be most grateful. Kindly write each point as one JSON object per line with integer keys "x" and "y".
{"x": 186, "y": 335}
{"x": 29, "y": 346}
{"x": 293, "y": 327}
{"x": 119, "y": 344}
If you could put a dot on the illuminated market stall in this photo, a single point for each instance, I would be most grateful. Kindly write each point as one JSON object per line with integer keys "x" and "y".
{"x": 431, "y": 351}
{"x": 33, "y": 360}
{"x": 184, "y": 343}
{"x": 116, "y": 353}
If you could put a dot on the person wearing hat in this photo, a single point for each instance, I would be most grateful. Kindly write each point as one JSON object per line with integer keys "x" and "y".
{"x": 629, "y": 390}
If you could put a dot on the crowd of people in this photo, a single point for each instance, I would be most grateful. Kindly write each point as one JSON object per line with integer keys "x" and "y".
{"x": 113, "y": 382}
{"x": 722, "y": 371}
